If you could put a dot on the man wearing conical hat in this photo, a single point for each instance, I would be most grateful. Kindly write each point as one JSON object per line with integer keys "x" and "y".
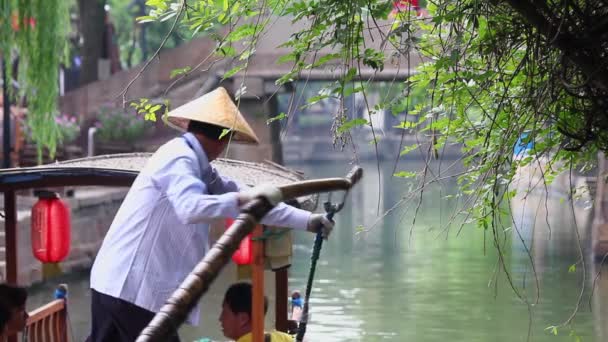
{"x": 161, "y": 230}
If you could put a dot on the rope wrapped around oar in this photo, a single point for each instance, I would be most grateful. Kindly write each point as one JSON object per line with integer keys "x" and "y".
{"x": 176, "y": 309}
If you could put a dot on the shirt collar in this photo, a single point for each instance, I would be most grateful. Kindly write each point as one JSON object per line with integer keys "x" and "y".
{"x": 245, "y": 338}
{"x": 195, "y": 145}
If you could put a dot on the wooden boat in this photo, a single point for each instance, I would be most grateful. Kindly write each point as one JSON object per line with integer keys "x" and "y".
{"x": 49, "y": 323}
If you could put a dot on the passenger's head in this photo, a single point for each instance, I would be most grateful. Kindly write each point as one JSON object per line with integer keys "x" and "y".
{"x": 4, "y": 318}
{"x": 236, "y": 310}
{"x": 210, "y": 137}
{"x": 13, "y": 299}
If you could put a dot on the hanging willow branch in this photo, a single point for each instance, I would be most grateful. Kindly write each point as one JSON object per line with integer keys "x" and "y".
{"x": 34, "y": 32}
{"x": 493, "y": 77}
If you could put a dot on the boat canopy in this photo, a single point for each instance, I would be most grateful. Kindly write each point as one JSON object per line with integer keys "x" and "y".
{"x": 121, "y": 170}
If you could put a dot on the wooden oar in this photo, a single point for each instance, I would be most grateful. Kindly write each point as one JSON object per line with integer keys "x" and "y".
{"x": 176, "y": 309}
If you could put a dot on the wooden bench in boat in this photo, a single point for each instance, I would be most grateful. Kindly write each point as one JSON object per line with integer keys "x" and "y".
{"x": 48, "y": 323}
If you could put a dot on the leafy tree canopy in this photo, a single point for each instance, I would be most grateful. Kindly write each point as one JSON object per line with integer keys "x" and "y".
{"x": 138, "y": 40}
{"x": 493, "y": 73}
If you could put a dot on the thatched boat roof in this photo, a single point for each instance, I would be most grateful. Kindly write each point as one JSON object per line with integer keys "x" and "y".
{"x": 121, "y": 170}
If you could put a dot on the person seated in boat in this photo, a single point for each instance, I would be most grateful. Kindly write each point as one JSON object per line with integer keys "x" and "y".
{"x": 297, "y": 305}
{"x": 4, "y": 318}
{"x": 236, "y": 315}
{"x": 13, "y": 299}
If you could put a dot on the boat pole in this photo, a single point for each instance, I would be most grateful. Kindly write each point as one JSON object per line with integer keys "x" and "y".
{"x": 10, "y": 208}
{"x": 10, "y": 241}
{"x": 6, "y": 123}
{"x": 257, "y": 279}
{"x": 10, "y": 236}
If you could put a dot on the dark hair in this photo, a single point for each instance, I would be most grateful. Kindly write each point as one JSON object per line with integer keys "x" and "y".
{"x": 5, "y": 317}
{"x": 12, "y": 296}
{"x": 239, "y": 298}
{"x": 209, "y": 130}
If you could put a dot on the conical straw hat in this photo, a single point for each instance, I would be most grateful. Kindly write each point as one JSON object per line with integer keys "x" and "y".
{"x": 215, "y": 108}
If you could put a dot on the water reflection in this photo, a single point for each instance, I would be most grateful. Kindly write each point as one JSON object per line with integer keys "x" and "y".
{"x": 401, "y": 282}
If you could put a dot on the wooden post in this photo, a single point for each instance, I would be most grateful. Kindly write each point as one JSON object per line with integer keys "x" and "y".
{"x": 10, "y": 236}
{"x": 6, "y": 109}
{"x": 281, "y": 275}
{"x": 257, "y": 277}
{"x": 281, "y": 299}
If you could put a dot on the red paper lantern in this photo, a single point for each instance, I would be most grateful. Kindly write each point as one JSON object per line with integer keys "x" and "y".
{"x": 243, "y": 255}
{"x": 50, "y": 228}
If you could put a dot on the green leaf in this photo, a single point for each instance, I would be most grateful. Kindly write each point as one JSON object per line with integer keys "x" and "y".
{"x": 234, "y": 70}
{"x": 350, "y": 124}
{"x": 406, "y": 124}
{"x": 289, "y": 77}
{"x": 405, "y": 174}
{"x": 160, "y": 4}
{"x": 179, "y": 71}
{"x": 290, "y": 57}
{"x": 348, "y": 91}
{"x": 408, "y": 149}
{"x": 150, "y": 117}
{"x": 168, "y": 16}
{"x": 155, "y": 108}
{"x": 374, "y": 59}
{"x": 281, "y": 116}
{"x": 317, "y": 98}
{"x": 145, "y": 19}
{"x": 326, "y": 58}
{"x": 572, "y": 268}
{"x": 246, "y": 54}
{"x": 225, "y": 131}
{"x": 352, "y": 72}
{"x": 243, "y": 31}
{"x": 226, "y": 51}
{"x": 552, "y": 329}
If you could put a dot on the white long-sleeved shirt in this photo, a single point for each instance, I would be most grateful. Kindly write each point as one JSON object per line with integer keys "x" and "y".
{"x": 161, "y": 230}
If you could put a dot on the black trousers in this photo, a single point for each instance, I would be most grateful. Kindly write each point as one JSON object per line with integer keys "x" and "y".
{"x": 115, "y": 320}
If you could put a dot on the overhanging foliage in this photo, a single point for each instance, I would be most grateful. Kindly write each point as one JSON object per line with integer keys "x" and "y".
{"x": 34, "y": 31}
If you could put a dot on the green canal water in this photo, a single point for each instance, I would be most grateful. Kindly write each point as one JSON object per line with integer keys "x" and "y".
{"x": 432, "y": 281}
